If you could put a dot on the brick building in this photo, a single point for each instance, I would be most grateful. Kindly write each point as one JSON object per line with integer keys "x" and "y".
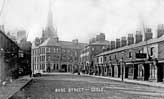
{"x": 9, "y": 54}
{"x": 142, "y": 59}
{"x": 54, "y": 55}
{"x": 88, "y": 54}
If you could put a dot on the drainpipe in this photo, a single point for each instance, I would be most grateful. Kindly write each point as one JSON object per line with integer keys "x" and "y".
{"x": 122, "y": 63}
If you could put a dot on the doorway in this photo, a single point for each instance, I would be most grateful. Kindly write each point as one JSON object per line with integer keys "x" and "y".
{"x": 64, "y": 68}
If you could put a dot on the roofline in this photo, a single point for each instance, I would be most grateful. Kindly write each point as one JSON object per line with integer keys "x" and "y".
{"x": 143, "y": 43}
{"x": 60, "y": 45}
{"x": 97, "y": 44}
{"x": 8, "y": 38}
{"x": 94, "y": 44}
{"x": 54, "y": 46}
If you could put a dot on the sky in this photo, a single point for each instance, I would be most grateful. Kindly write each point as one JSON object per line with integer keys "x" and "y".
{"x": 82, "y": 19}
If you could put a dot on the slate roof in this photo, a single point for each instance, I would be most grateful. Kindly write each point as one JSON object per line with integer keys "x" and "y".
{"x": 143, "y": 43}
{"x": 100, "y": 43}
{"x": 63, "y": 44}
{"x": 50, "y": 42}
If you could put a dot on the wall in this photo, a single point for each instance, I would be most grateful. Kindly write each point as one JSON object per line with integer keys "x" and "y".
{"x": 9, "y": 58}
{"x": 161, "y": 50}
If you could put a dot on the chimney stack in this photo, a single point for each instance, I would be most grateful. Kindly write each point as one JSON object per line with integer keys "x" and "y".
{"x": 130, "y": 39}
{"x": 75, "y": 41}
{"x": 148, "y": 34}
{"x": 93, "y": 40}
{"x": 97, "y": 37}
{"x": 123, "y": 41}
{"x": 100, "y": 37}
{"x": 109, "y": 45}
{"x": 160, "y": 30}
{"x": 138, "y": 37}
{"x": 118, "y": 43}
{"x": 112, "y": 44}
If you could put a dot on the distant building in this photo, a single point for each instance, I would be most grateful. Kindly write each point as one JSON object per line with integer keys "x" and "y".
{"x": 2, "y": 28}
{"x": 25, "y": 57}
{"x": 88, "y": 54}
{"x": 52, "y": 54}
{"x": 21, "y": 35}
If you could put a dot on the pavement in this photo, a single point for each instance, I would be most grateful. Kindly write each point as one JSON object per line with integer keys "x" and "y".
{"x": 12, "y": 87}
{"x": 147, "y": 83}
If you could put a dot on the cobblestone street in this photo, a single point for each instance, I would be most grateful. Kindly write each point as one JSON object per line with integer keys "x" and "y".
{"x": 68, "y": 86}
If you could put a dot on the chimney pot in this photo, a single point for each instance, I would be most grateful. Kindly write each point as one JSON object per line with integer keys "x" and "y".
{"x": 148, "y": 34}
{"x": 138, "y": 37}
{"x": 123, "y": 41}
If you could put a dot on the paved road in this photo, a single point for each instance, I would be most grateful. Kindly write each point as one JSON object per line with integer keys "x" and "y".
{"x": 85, "y": 87}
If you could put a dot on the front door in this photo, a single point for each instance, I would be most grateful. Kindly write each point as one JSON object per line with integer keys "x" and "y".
{"x": 64, "y": 67}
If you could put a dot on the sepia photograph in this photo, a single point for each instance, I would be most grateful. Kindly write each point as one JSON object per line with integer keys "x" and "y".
{"x": 81, "y": 49}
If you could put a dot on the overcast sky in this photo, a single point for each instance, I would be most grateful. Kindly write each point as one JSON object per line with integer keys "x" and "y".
{"x": 83, "y": 19}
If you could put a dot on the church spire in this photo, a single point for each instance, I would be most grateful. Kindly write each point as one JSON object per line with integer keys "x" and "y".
{"x": 50, "y": 30}
{"x": 50, "y": 15}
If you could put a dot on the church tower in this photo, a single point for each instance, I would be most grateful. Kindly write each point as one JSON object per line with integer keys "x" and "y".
{"x": 50, "y": 30}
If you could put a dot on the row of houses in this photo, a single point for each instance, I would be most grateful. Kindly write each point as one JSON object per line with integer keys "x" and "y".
{"x": 8, "y": 57}
{"x": 134, "y": 57}
{"x": 15, "y": 58}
